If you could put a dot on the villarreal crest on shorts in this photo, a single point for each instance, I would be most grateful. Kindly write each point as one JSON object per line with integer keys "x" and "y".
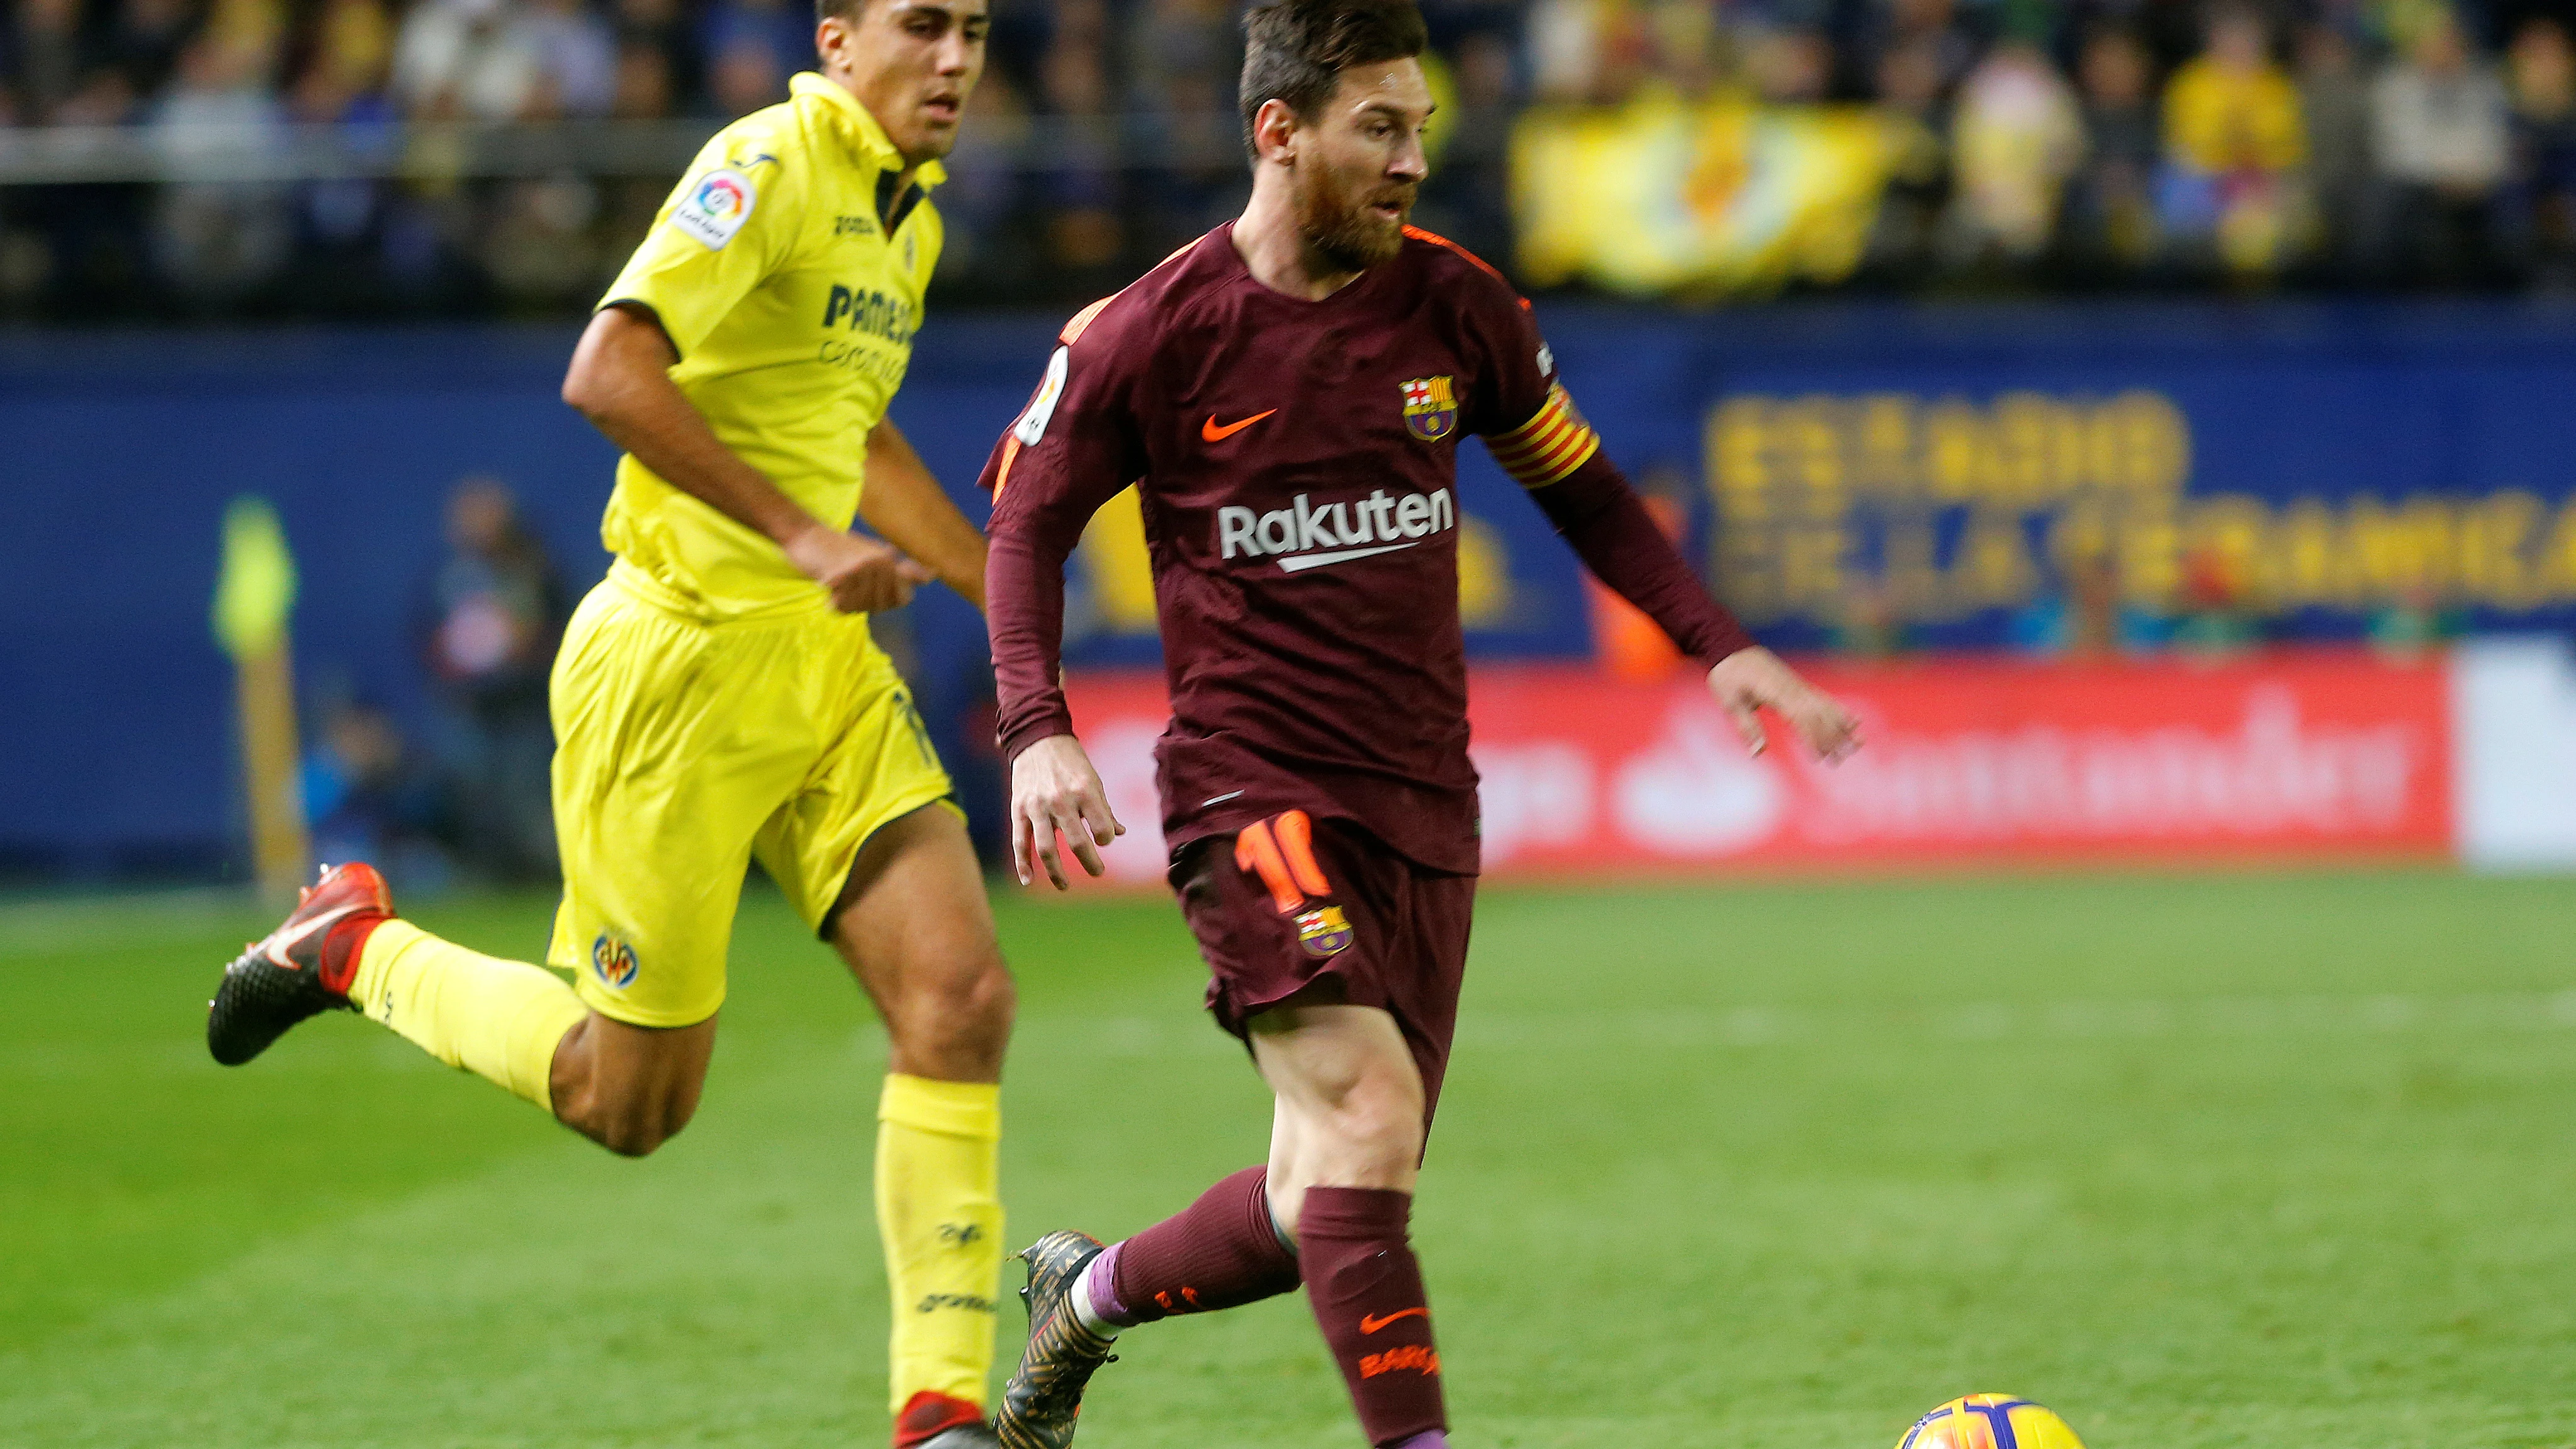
{"x": 692, "y": 745}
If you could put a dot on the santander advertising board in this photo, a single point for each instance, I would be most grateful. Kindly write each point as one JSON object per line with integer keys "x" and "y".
{"x": 2306, "y": 756}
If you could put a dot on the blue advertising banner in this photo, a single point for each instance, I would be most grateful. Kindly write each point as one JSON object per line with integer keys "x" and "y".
{"x": 1878, "y": 478}
{"x": 1862, "y": 476}
{"x": 2293, "y": 487}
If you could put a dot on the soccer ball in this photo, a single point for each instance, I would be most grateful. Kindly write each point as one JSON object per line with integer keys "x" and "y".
{"x": 1990, "y": 1421}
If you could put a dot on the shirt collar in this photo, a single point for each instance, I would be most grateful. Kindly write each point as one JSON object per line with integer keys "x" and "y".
{"x": 866, "y": 136}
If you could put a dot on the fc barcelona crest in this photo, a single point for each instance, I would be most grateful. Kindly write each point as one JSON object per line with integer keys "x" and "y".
{"x": 1324, "y": 931}
{"x": 1430, "y": 408}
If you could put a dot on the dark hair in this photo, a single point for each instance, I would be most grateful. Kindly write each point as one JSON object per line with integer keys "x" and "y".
{"x": 846, "y": 10}
{"x": 1296, "y": 50}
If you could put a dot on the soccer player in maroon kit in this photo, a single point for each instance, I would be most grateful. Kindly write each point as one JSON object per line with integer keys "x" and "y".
{"x": 1287, "y": 393}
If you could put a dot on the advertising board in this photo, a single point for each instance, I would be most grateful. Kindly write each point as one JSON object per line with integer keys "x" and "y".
{"x": 2306, "y": 757}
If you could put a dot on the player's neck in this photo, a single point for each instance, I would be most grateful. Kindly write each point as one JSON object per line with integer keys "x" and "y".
{"x": 1278, "y": 254}
{"x": 850, "y": 84}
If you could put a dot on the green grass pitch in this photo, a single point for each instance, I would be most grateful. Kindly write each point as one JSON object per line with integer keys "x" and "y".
{"x": 2283, "y": 1161}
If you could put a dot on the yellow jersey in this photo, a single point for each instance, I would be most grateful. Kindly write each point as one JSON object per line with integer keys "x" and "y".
{"x": 789, "y": 275}
{"x": 2218, "y": 121}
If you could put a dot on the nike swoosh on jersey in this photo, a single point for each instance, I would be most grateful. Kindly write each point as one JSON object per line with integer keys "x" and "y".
{"x": 1372, "y": 1325}
{"x": 1215, "y": 434}
{"x": 277, "y": 945}
{"x": 1298, "y": 562}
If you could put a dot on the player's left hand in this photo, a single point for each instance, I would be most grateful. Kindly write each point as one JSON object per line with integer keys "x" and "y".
{"x": 1750, "y": 680}
{"x": 862, "y": 575}
{"x": 1055, "y": 791}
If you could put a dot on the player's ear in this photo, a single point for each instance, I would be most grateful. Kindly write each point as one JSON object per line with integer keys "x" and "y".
{"x": 1274, "y": 129}
{"x": 832, "y": 37}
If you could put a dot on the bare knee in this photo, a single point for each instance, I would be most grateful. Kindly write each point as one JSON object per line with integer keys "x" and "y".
{"x": 638, "y": 1128}
{"x": 630, "y": 1089}
{"x": 1368, "y": 1132}
{"x": 1350, "y": 1099}
{"x": 1367, "y": 1136}
{"x": 632, "y": 1121}
{"x": 954, "y": 1024}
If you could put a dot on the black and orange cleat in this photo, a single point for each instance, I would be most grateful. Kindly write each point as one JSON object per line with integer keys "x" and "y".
{"x": 300, "y": 969}
{"x": 1044, "y": 1395}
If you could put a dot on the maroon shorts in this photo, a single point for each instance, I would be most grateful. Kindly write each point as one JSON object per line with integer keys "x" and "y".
{"x": 1321, "y": 911}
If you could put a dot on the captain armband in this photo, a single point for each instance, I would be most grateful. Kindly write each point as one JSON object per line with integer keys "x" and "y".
{"x": 1553, "y": 443}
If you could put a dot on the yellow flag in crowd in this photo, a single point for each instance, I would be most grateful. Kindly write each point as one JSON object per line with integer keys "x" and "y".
{"x": 1722, "y": 195}
{"x": 253, "y": 594}
{"x": 257, "y": 584}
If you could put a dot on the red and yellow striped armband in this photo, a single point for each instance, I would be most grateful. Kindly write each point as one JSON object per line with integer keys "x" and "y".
{"x": 1553, "y": 443}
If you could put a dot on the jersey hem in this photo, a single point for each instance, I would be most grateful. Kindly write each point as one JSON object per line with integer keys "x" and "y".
{"x": 651, "y": 592}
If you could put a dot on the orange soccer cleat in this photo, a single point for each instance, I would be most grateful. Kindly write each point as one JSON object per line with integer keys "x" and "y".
{"x": 302, "y": 968}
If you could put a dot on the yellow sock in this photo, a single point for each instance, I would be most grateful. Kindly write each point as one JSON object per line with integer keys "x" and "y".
{"x": 500, "y": 1020}
{"x": 939, "y": 1210}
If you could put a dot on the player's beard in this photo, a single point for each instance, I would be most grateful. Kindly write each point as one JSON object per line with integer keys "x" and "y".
{"x": 1340, "y": 225}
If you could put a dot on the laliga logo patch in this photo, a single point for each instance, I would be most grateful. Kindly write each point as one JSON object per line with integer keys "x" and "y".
{"x": 1323, "y": 931}
{"x": 716, "y": 207}
{"x": 1430, "y": 408}
{"x": 615, "y": 961}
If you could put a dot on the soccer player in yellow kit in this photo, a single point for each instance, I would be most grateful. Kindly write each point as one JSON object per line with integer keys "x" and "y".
{"x": 718, "y": 698}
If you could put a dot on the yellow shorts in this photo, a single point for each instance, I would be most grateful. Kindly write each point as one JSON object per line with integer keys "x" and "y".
{"x": 686, "y": 748}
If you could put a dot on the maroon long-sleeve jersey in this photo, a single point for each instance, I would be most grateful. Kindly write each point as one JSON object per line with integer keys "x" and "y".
{"x": 1297, "y": 465}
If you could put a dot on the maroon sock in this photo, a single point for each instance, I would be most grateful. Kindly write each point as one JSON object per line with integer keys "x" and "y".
{"x": 1366, "y": 1290}
{"x": 1221, "y": 1252}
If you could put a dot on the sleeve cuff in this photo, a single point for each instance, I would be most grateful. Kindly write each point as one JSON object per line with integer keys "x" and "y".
{"x": 638, "y": 304}
{"x": 1046, "y": 725}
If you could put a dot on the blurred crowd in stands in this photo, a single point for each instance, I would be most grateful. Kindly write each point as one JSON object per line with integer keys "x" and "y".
{"x": 2029, "y": 143}
{"x": 469, "y": 796}
{"x": 2407, "y": 143}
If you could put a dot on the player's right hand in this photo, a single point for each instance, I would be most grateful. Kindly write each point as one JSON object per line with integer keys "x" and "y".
{"x": 1055, "y": 790}
{"x": 861, "y": 574}
{"x": 1750, "y": 680}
